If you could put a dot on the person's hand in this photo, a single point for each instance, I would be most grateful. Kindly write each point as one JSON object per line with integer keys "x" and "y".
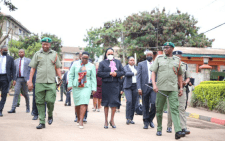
{"x": 14, "y": 83}
{"x": 30, "y": 85}
{"x": 180, "y": 92}
{"x": 93, "y": 92}
{"x": 140, "y": 92}
{"x": 184, "y": 83}
{"x": 69, "y": 88}
{"x": 121, "y": 92}
{"x": 110, "y": 73}
{"x": 114, "y": 74}
{"x": 155, "y": 88}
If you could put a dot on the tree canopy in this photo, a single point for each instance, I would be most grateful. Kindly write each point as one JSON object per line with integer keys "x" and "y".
{"x": 149, "y": 29}
{"x": 32, "y": 44}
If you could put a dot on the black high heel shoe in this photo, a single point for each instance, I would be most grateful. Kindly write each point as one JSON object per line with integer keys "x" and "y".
{"x": 106, "y": 127}
{"x": 113, "y": 126}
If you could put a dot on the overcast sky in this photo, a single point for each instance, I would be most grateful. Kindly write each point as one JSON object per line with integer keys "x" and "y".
{"x": 69, "y": 19}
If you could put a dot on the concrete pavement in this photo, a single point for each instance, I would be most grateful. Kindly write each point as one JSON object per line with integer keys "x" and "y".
{"x": 20, "y": 127}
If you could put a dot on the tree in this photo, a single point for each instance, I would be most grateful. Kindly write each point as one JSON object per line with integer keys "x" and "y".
{"x": 93, "y": 46}
{"x": 32, "y": 44}
{"x": 9, "y": 5}
{"x": 152, "y": 29}
{"x": 56, "y": 44}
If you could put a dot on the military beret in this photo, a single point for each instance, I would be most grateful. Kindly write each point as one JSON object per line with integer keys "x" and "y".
{"x": 86, "y": 53}
{"x": 169, "y": 44}
{"x": 46, "y": 39}
{"x": 178, "y": 52}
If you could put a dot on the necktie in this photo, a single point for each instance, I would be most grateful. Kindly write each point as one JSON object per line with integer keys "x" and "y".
{"x": 20, "y": 68}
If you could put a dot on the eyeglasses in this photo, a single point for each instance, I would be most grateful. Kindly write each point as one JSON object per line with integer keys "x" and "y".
{"x": 110, "y": 54}
{"x": 166, "y": 48}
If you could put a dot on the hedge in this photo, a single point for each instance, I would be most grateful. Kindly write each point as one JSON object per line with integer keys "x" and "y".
{"x": 212, "y": 82}
{"x": 211, "y": 94}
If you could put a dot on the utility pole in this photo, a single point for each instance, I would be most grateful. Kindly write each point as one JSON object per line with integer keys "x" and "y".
{"x": 122, "y": 39}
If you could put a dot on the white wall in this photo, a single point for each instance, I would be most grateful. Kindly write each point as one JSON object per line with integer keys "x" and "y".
{"x": 198, "y": 77}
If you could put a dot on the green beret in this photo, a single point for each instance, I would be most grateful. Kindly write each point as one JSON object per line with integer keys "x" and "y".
{"x": 169, "y": 44}
{"x": 46, "y": 39}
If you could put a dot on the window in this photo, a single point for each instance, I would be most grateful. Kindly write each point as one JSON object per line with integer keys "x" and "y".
{"x": 67, "y": 64}
{"x": 68, "y": 56}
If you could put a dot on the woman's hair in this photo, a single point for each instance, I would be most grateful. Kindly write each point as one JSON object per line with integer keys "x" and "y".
{"x": 105, "y": 57}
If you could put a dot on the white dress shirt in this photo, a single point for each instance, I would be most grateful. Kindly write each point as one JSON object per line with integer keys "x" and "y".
{"x": 21, "y": 67}
{"x": 134, "y": 79}
{"x": 2, "y": 64}
{"x": 149, "y": 72}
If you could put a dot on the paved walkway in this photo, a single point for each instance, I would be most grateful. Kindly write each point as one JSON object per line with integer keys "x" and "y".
{"x": 20, "y": 127}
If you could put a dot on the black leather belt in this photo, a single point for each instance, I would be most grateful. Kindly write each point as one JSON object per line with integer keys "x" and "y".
{"x": 20, "y": 77}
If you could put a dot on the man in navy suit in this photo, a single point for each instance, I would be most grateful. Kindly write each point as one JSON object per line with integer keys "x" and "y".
{"x": 7, "y": 73}
{"x": 148, "y": 95}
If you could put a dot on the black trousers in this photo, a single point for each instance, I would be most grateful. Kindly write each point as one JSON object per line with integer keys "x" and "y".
{"x": 4, "y": 84}
{"x": 148, "y": 102}
{"x": 68, "y": 98}
{"x": 131, "y": 96}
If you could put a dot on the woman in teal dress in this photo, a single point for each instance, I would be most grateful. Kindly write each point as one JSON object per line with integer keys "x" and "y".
{"x": 82, "y": 81}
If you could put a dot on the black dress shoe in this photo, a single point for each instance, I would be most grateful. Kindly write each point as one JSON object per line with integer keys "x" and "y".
{"x": 179, "y": 134}
{"x": 1, "y": 115}
{"x": 145, "y": 126}
{"x": 32, "y": 114}
{"x": 18, "y": 105}
{"x": 128, "y": 122}
{"x": 159, "y": 133}
{"x": 12, "y": 111}
{"x": 60, "y": 100}
{"x": 35, "y": 118}
{"x": 186, "y": 131}
{"x": 75, "y": 120}
{"x": 40, "y": 126}
{"x": 84, "y": 120}
{"x": 132, "y": 122}
{"x": 50, "y": 120}
{"x": 28, "y": 111}
{"x": 152, "y": 125}
{"x": 113, "y": 126}
{"x": 169, "y": 130}
{"x": 69, "y": 104}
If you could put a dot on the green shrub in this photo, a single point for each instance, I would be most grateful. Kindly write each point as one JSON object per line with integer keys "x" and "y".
{"x": 210, "y": 94}
{"x": 221, "y": 106}
{"x": 212, "y": 82}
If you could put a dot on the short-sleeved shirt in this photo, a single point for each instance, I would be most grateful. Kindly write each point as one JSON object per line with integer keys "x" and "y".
{"x": 167, "y": 80}
{"x": 42, "y": 62}
{"x": 186, "y": 73}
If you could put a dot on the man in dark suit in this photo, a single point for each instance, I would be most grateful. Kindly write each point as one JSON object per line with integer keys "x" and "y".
{"x": 7, "y": 73}
{"x": 21, "y": 78}
{"x": 148, "y": 95}
{"x": 65, "y": 83}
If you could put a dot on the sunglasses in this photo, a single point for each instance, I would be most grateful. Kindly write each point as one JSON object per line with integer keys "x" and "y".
{"x": 110, "y": 54}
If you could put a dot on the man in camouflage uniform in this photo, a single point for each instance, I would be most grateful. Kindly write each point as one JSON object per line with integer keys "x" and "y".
{"x": 181, "y": 99}
{"x": 48, "y": 65}
{"x": 169, "y": 73}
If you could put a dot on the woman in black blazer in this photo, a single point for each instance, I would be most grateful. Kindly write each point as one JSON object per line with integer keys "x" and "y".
{"x": 110, "y": 70}
{"x": 130, "y": 89}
